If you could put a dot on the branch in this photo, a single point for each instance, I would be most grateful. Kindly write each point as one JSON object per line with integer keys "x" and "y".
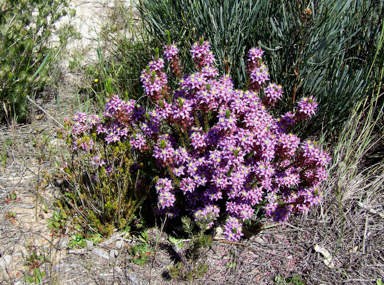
{"x": 45, "y": 112}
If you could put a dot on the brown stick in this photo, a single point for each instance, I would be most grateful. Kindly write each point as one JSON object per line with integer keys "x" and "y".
{"x": 34, "y": 103}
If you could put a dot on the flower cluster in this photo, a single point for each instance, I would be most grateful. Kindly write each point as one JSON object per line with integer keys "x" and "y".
{"x": 202, "y": 55}
{"x": 154, "y": 81}
{"x": 221, "y": 152}
{"x": 171, "y": 54}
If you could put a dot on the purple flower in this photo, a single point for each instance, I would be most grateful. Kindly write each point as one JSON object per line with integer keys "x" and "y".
{"x": 202, "y": 54}
{"x": 259, "y": 75}
{"x": 166, "y": 200}
{"x": 164, "y": 185}
{"x": 306, "y": 108}
{"x": 138, "y": 142}
{"x": 170, "y": 51}
{"x": 80, "y": 117}
{"x": 272, "y": 93}
{"x": 156, "y": 65}
{"x": 207, "y": 214}
{"x": 233, "y": 229}
{"x": 255, "y": 54}
{"x": 213, "y": 144}
{"x": 187, "y": 185}
{"x": 97, "y": 161}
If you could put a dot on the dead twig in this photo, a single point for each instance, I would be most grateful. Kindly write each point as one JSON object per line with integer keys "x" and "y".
{"x": 45, "y": 112}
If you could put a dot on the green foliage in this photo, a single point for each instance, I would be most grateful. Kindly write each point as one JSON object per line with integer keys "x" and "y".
{"x": 34, "y": 261}
{"x": 78, "y": 240}
{"x": 315, "y": 48}
{"x": 25, "y": 58}
{"x": 295, "y": 280}
{"x": 57, "y": 222}
{"x": 188, "y": 225}
{"x": 379, "y": 282}
{"x": 177, "y": 242}
{"x": 228, "y": 26}
{"x": 231, "y": 264}
{"x": 141, "y": 253}
{"x": 199, "y": 239}
{"x": 103, "y": 198}
{"x": 330, "y": 49}
{"x": 36, "y": 277}
{"x": 12, "y": 197}
{"x": 180, "y": 271}
{"x": 144, "y": 237}
{"x": 96, "y": 238}
{"x": 193, "y": 260}
{"x": 11, "y": 215}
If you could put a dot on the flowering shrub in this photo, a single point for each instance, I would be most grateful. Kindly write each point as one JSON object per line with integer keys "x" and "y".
{"x": 222, "y": 153}
{"x": 103, "y": 183}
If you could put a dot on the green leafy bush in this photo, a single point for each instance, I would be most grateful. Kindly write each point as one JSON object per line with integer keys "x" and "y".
{"x": 140, "y": 253}
{"x": 25, "y": 57}
{"x": 329, "y": 49}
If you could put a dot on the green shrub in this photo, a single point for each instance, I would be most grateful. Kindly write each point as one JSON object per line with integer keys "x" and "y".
{"x": 103, "y": 186}
{"x": 321, "y": 48}
{"x": 25, "y": 58}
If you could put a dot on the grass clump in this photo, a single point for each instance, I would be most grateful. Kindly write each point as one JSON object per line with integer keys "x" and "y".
{"x": 327, "y": 49}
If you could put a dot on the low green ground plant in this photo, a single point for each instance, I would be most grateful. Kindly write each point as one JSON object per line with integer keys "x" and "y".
{"x": 77, "y": 241}
{"x": 295, "y": 280}
{"x": 140, "y": 253}
{"x": 192, "y": 252}
{"x": 57, "y": 222}
{"x": 34, "y": 262}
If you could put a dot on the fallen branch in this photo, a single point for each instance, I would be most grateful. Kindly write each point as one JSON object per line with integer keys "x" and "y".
{"x": 370, "y": 209}
{"x": 45, "y": 112}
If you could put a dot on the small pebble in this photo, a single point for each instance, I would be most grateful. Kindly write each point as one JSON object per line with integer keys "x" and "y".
{"x": 113, "y": 253}
{"x": 89, "y": 244}
{"x": 5, "y": 260}
{"x": 101, "y": 253}
{"x": 118, "y": 270}
{"x": 133, "y": 278}
{"x": 77, "y": 251}
{"x": 64, "y": 242}
{"x": 26, "y": 206}
{"x": 119, "y": 244}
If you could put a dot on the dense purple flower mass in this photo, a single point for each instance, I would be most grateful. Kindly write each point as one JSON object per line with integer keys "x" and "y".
{"x": 222, "y": 151}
